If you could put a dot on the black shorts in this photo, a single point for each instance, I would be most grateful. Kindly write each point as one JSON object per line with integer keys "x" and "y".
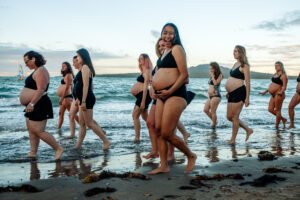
{"x": 237, "y": 95}
{"x": 42, "y": 110}
{"x": 90, "y": 101}
{"x": 139, "y": 98}
{"x": 180, "y": 92}
{"x": 190, "y": 96}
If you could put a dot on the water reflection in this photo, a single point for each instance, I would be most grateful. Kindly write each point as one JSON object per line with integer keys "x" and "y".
{"x": 276, "y": 144}
{"x": 212, "y": 150}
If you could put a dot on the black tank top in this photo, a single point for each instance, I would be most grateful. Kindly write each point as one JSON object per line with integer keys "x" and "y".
{"x": 31, "y": 84}
{"x": 78, "y": 86}
{"x": 62, "y": 81}
{"x": 236, "y": 73}
{"x": 167, "y": 62}
{"x": 140, "y": 79}
{"x": 277, "y": 80}
{"x": 298, "y": 79}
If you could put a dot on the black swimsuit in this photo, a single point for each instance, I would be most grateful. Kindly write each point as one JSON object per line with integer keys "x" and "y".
{"x": 78, "y": 89}
{"x": 169, "y": 62}
{"x": 43, "y": 108}
{"x": 139, "y": 96}
{"x": 68, "y": 95}
{"x": 277, "y": 80}
{"x": 240, "y": 93}
{"x": 217, "y": 88}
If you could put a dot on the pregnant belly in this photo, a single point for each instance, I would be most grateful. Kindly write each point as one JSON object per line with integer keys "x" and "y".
{"x": 233, "y": 84}
{"x": 61, "y": 90}
{"x": 274, "y": 88}
{"x": 26, "y": 95}
{"x": 136, "y": 88}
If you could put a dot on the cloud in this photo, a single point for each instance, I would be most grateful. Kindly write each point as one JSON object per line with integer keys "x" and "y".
{"x": 11, "y": 56}
{"x": 290, "y": 19}
{"x": 284, "y": 51}
{"x": 155, "y": 34}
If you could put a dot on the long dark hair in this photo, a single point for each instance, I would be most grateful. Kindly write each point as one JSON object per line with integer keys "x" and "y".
{"x": 176, "y": 39}
{"x": 69, "y": 69}
{"x": 39, "y": 59}
{"x": 85, "y": 56}
{"x": 216, "y": 68}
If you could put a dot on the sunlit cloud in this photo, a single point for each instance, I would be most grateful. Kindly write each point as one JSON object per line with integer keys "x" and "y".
{"x": 288, "y": 20}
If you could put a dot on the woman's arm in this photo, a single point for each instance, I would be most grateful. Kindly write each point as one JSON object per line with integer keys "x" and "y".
{"x": 246, "y": 70}
{"x": 85, "y": 81}
{"x": 68, "y": 80}
{"x": 284, "y": 85}
{"x": 218, "y": 80}
{"x": 41, "y": 78}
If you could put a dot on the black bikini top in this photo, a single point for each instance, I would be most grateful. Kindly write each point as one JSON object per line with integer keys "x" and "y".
{"x": 298, "y": 79}
{"x": 167, "y": 62}
{"x": 63, "y": 81}
{"x": 277, "y": 80}
{"x": 210, "y": 82}
{"x": 140, "y": 79}
{"x": 236, "y": 73}
{"x": 31, "y": 84}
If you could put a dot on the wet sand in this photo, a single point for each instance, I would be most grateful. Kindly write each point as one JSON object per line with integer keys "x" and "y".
{"x": 176, "y": 185}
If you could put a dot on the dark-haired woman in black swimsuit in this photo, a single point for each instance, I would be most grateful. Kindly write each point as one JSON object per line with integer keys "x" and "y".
{"x": 85, "y": 98}
{"x": 64, "y": 91}
{"x": 141, "y": 92}
{"x": 169, "y": 86}
{"x": 214, "y": 96}
{"x": 277, "y": 90}
{"x": 38, "y": 105}
{"x": 237, "y": 93}
{"x": 294, "y": 102}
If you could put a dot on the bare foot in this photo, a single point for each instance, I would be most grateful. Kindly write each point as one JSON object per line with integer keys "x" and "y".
{"x": 191, "y": 163}
{"x": 106, "y": 145}
{"x": 186, "y": 137}
{"x": 151, "y": 155}
{"x": 159, "y": 170}
{"x": 31, "y": 155}
{"x": 291, "y": 126}
{"x": 284, "y": 122}
{"x": 137, "y": 141}
{"x": 232, "y": 142}
{"x": 249, "y": 132}
{"x": 58, "y": 153}
{"x": 171, "y": 158}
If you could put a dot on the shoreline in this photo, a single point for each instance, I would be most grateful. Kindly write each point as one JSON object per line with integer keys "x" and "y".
{"x": 177, "y": 185}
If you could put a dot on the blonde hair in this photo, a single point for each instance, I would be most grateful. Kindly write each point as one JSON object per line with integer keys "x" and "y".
{"x": 281, "y": 65}
{"x": 243, "y": 57}
{"x": 147, "y": 62}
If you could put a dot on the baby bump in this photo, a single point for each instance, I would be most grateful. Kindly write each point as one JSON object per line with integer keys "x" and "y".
{"x": 136, "y": 88}
{"x": 26, "y": 95}
{"x": 61, "y": 90}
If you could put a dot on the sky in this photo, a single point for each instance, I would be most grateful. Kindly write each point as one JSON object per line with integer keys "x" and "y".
{"x": 116, "y": 32}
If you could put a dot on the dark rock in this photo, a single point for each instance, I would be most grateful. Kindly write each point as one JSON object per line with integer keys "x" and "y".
{"x": 266, "y": 155}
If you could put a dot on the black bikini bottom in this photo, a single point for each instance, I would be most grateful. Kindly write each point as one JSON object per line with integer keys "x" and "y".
{"x": 180, "y": 92}
{"x": 237, "y": 95}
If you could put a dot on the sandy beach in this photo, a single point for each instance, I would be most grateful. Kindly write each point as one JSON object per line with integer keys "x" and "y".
{"x": 175, "y": 184}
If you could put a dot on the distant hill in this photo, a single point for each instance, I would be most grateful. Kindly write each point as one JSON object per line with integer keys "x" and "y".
{"x": 202, "y": 71}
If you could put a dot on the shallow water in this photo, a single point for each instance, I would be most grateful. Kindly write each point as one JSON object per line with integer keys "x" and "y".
{"x": 113, "y": 112}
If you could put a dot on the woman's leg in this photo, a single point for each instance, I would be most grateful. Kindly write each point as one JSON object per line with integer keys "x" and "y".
{"x": 38, "y": 128}
{"x": 206, "y": 108}
{"x": 293, "y": 103}
{"x": 278, "y": 105}
{"x": 233, "y": 113}
{"x": 72, "y": 114}
{"x": 34, "y": 141}
{"x": 61, "y": 114}
{"x": 214, "y": 102}
{"x": 89, "y": 121}
{"x": 183, "y": 131}
{"x": 171, "y": 111}
{"x": 152, "y": 134}
{"x": 82, "y": 130}
{"x": 136, "y": 122}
